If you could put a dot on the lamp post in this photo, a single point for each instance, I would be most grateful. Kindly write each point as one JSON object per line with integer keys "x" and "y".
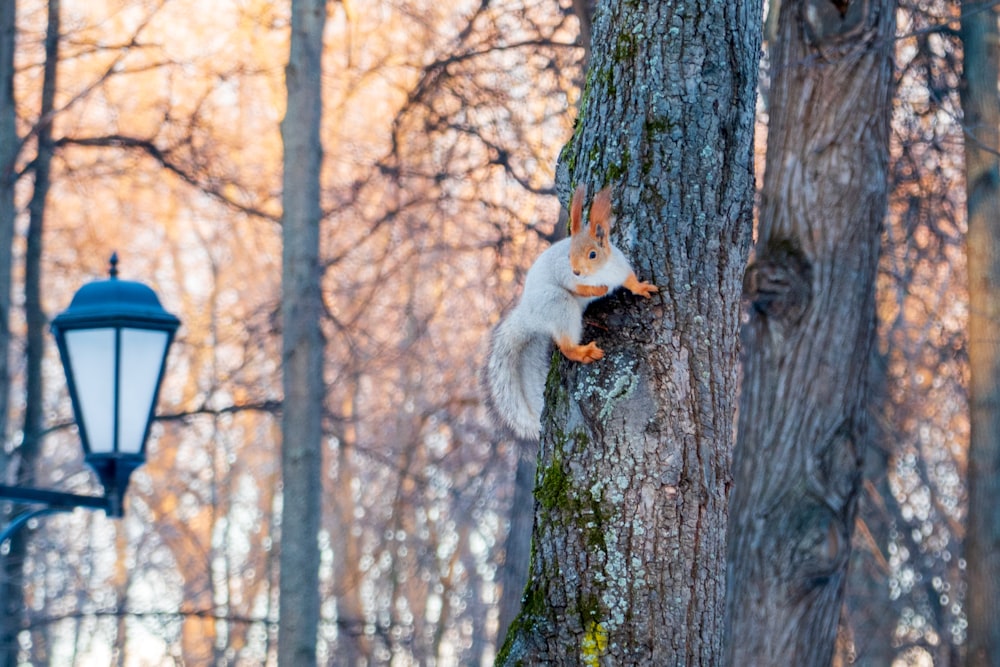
{"x": 113, "y": 342}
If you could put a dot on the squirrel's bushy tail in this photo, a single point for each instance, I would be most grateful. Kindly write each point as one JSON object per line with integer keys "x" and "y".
{"x": 514, "y": 378}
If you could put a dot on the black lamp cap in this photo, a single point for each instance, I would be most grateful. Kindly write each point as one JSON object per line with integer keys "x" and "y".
{"x": 114, "y": 302}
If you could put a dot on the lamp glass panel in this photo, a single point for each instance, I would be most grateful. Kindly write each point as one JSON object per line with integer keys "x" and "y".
{"x": 142, "y": 355}
{"x": 92, "y": 360}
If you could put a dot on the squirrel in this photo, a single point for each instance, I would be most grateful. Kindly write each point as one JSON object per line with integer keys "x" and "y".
{"x": 560, "y": 284}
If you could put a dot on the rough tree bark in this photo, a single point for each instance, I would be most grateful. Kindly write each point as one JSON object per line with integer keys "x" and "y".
{"x": 981, "y": 109}
{"x": 633, "y": 475}
{"x": 302, "y": 340}
{"x": 807, "y": 343}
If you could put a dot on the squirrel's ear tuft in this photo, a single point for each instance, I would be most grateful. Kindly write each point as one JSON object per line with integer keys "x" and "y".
{"x": 576, "y": 209}
{"x": 600, "y": 214}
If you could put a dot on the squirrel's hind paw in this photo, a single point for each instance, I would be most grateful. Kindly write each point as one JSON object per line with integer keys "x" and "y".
{"x": 581, "y": 353}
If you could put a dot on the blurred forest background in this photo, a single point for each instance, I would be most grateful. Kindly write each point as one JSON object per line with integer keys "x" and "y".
{"x": 159, "y": 138}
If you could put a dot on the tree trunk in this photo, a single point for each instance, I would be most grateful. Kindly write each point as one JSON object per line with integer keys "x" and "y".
{"x": 9, "y": 150}
{"x": 10, "y": 612}
{"x": 302, "y": 346}
{"x": 34, "y": 414}
{"x": 811, "y": 327}
{"x": 513, "y": 574}
{"x": 633, "y": 474}
{"x": 982, "y": 182}
{"x": 29, "y": 452}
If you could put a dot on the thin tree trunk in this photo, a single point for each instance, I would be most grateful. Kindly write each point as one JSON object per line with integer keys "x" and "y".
{"x": 9, "y": 150}
{"x": 34, "y": 413}
{"x": 34, "y": 408}
{"x": 807, "y": 343}
{"x": 302, "y": 346}
{"x": 981, "y": 109}
{"x": 354, "y": 646}
{"x": 29, "y": 452}
{"x": 868, "y": 616}
{"x": 10, "y": 612}
{"x": 513, "y": 573}
{"x": 633, "y": 476}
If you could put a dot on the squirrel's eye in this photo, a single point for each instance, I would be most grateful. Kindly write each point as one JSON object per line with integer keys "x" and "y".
{"x": 593, "y": 254}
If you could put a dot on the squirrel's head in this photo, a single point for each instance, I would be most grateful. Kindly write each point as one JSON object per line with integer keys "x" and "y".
{"x": 589, "y": 249}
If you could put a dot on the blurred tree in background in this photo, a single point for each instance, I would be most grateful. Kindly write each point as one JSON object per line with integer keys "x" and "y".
{"x": 301, "y": 338}
{"x": 981, "y": 123}
{"x": 804, "y": 403}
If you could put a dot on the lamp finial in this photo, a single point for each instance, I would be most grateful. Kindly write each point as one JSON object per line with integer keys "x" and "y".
{"x": 113, "y": 265}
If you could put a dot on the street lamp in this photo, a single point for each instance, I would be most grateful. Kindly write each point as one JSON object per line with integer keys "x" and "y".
{"x": 113, "y": 341}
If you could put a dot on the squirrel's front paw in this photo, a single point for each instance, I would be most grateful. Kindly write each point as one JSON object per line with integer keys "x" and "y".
{"x": 645, "y": 289}
{"x": 632, "y": 284}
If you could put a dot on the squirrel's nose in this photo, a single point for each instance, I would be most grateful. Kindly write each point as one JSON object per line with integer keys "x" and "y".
{"x": 576, "y": 272}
